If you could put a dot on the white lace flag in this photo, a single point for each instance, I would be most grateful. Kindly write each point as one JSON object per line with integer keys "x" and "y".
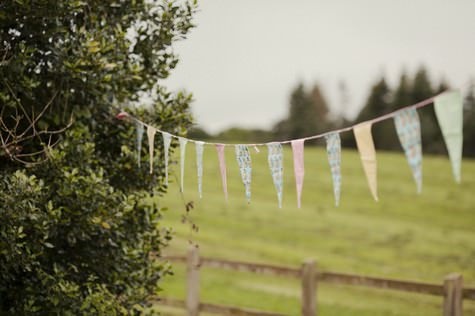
{"x": 199, "y": 165}
{"x": 183, "y": 142}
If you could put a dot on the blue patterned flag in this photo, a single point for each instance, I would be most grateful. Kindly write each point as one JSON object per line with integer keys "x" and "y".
{"x": 199, "y": 165}
{"x": 408, "y": 128}
{"x": 244, "y": 161}
{"x": 183, "y": 142}
{"x": 275, "y": 158}
{"x": 140, "y": 131}
{"x": 167, "y": 139}
{"x": 334, "y": 159}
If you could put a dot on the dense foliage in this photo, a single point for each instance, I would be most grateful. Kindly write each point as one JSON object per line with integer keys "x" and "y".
{"x": 78, "y": 233}
{"x": 308, "y": 114}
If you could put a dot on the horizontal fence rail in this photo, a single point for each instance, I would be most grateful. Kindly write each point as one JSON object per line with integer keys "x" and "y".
{"x": 451, "y": 290}
{"x": 217, "y": 309}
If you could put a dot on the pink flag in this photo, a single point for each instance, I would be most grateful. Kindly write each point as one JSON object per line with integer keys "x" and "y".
{"x": 297, "y": 151}
{"x": 222, "y": 168}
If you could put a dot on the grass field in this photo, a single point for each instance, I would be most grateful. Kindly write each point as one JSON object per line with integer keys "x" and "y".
{"x": 404, "y": 235}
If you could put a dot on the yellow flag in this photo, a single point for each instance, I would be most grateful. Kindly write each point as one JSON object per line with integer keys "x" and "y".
{"x": 364, "y": 141}
{"x": 151, "y": 137}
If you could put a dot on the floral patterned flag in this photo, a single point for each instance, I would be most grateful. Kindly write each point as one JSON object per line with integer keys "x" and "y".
{"x": 365, "y": 144}
{"x": 408, "y": 128}
{"x": 449, "y": 111}
{"x": 243, "y": 158}
{"x": 299, "y": 171}
{"x": 140, "y": 131}
{"x": 151, "y": 137}
{"x": 222, "y": 168}
{"x": 334, "y": 159}
{"x": 275, "y": 158}
{"x": 183, "y": 142}
{"x": 167, "y": 139}
{"x": 199, "y": 165}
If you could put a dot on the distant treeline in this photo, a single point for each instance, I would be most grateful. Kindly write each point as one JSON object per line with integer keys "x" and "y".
{"x": 309, "y": 114}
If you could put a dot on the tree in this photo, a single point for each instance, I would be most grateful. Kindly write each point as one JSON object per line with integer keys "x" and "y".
{"x": 307, "y": 114}
{"x": 236, "y": 134}
{"x": 469, "y": 122}
{"x": 77, "y": 234}
{"x": 378, "y": 103}
{"x": 401, "y": 97}
{"x": 432, "y": 140}
{"x": 403, "y": 94}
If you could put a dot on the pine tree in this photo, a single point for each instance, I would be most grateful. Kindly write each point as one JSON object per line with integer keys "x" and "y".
{"x": 403, "y": 94}
{"x": 307, "y": 114}
{"x": 402, "y": 97}
{"x": 432, "y": 140}
{"x": 469, "y": 122}
{"x": 378, "y": 104}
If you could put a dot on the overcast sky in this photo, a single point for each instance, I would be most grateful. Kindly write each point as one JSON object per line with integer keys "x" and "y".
{"x": 244, "y": 57}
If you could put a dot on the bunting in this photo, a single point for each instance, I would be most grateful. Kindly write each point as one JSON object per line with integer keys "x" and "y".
{"x": 199, "y": 166}
{"x": 449, "y": 111}
{"x": 364, "y": 142}
{"x": 183, "y": 142}
{"x": 299, "y": 171}
{"x": 222, "y": 169}
{"x": 334, "y": 159}
{"x": 408, "y": 130}
{"x": 243, "y": 158}
{"x": 275, "y": 158}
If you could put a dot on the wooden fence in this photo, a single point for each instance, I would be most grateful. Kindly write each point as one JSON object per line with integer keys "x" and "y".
{"x": 451, "y": 290}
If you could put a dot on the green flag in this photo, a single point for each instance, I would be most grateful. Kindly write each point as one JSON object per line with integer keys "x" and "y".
{"x": 449, "y": 111}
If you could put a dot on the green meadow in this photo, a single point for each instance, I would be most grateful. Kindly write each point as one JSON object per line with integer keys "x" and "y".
{"x": 404, "y": 235}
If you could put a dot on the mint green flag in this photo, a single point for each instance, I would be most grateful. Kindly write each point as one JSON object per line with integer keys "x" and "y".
{"x": 449, "y": 111}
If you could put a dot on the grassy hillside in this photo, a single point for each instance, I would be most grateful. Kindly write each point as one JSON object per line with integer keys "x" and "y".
{"x": 404, "y": 235}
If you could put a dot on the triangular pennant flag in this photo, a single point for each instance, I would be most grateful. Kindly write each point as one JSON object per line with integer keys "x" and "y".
{"x": 243, "y": 158}
{"x": 449, "y": 111}
{"x": 408, "y": 128}
{"x": 364, "y": 141}
{"x": 299, "y": 171}
{"x": 275, "y": 158}
{"x": 140, "y": 131}
{"x": 199, "y": 165}
{"x": 183, "y": 142}
{"x": 334, "y": 159}
{"x": 222, "y": 168}
{"x": 151, "y": 137}
{"x": 167, "y": 139}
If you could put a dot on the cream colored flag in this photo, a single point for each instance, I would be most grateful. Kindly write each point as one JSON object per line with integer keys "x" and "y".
{"x": 449, "y": 111}
{"x": 151, "y": 137}
{"x": 364, "y": 141}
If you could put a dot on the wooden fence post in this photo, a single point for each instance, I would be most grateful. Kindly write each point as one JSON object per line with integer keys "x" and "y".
{"x": 193, "y": 282}
{"x": 309, "y": 288}
{"x": 453, "y": 290}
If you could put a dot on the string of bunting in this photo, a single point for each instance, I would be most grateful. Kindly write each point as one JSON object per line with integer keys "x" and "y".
{"x": 448, "y": 109}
